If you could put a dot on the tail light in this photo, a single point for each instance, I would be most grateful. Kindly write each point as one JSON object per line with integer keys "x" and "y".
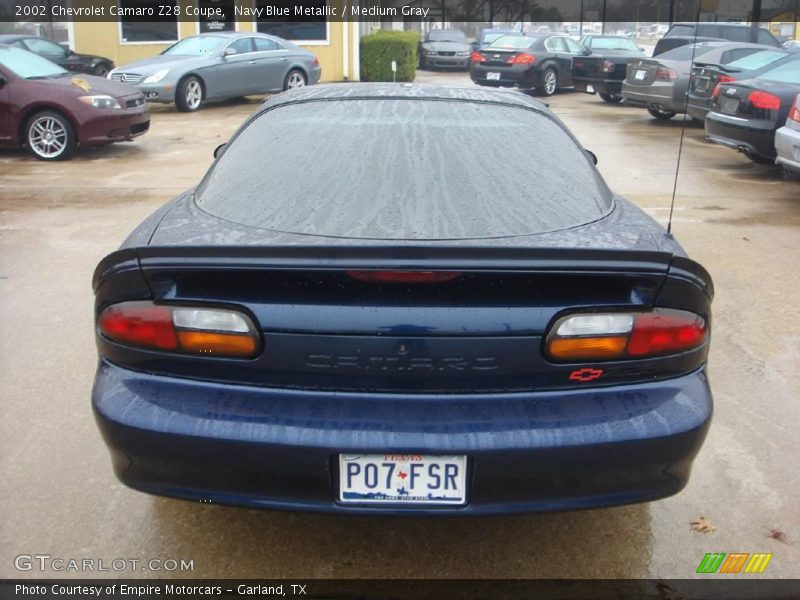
{"x": 404, "y": 276}
{"x": 191, "y": 330}
{"x": 764, "y": 100}
{"x": 663, "y": 73}
{"x": 477, "y": 57}
{"x": 621, "y": 336}
{"x": 522, "y": 59}
{"x": 608, "y": 66}
{"x": 716, "y": 92}
{"x": 315, "y": 62}
{"x": 794, "y": 114}
{"x": 725, "y": 79}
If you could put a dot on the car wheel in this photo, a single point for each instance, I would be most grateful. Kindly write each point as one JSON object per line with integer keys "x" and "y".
{"x": 421, "y": 62}
{"x": 611, "y": 98}
{"x": 102, "y": 69}
{"x": 294, "y": 79}
{"x": 660, "y": 113}
{"x": 50, "y": 136}
{"x": 189, "y": 95}
{"x": 549, "y": 84}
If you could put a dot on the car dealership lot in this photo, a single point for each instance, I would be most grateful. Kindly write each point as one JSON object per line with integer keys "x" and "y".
{"x": 738, "y": 219}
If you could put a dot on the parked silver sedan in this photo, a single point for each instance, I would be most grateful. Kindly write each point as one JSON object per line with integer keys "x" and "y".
{"x": 787, "y": 140}
{"x": 661, "y": 83}
{"x": 218, "y": 66}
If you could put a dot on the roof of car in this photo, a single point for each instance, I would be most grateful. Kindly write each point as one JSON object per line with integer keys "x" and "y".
{"x": 13, "y": 36}
{"x": 351, "y": 91}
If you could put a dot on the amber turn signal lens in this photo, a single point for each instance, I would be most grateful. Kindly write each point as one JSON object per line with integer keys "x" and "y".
{"x": 592, "y": 348}
{"x": 221, "y": 344}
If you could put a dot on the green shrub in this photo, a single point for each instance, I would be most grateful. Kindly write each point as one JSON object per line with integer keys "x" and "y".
{"x": 379, "y": 49}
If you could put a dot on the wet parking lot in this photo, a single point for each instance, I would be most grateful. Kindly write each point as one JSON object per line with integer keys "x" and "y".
{"x": 58, "y": 493}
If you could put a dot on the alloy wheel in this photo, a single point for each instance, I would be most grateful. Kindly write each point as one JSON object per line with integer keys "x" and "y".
{"x": 295, "y": 80}
{"x": 194, "y": 94}
{"x": 47, "y": 137}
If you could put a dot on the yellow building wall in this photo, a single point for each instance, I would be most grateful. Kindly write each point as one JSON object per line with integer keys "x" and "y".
{"x": 104, "y": 39}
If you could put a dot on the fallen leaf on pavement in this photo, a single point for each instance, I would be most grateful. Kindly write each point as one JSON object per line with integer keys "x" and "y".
{"x": 702, "y": 525}
{"x": 777, "y": 534}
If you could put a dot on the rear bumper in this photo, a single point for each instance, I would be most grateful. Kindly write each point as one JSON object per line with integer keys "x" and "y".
{"x": 278, "y": 449}
{"x": 787, "y": 143}
{"x": 741, "y": 134}
{"x": 660, "y": 95}
{"x": 599, "y": 86}
{"x": 515, "y": 76}
{"x": 698, "y": 108}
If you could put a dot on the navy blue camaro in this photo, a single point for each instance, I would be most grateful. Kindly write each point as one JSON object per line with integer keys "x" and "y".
{"x": 402, "y": 299}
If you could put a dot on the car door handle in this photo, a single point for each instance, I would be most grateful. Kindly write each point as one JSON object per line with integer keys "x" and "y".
{"x": 284, "y": 59}
{"x": 251, "y": 62}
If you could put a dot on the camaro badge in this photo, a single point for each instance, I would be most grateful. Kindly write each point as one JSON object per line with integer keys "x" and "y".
{"x": 81, "y": 83}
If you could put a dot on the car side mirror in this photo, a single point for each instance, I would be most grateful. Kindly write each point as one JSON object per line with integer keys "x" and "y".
{"x": 218, "y": 149}
{"x": 586, "y": 52}
{"x": 228, "y": 52}
{"x": 592, "y": 156}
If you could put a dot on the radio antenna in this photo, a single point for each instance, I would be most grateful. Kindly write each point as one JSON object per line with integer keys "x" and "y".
{"x": 683, "y": 124}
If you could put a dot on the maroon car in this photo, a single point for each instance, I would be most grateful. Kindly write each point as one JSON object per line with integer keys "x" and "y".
{"x": 52, "y": 111}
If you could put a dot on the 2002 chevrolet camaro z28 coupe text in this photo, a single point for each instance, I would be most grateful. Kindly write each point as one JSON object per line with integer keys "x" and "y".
{"x": 350, "y": 314}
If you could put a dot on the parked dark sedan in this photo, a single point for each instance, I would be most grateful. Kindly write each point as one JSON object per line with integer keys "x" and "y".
{"x": 441, "y": 338}
{"x": 746, "y": 114}
{"x": 52, "y": 111}
{"x": 540, "y": 61}
{"x": 446, "y": 48}
{"x": 63, "y": 57}
{"x": 661, "y": 83}
{"x": 682, "y": 34}
{"x": 603, "y": 69}
{"x": 706, "y": 76}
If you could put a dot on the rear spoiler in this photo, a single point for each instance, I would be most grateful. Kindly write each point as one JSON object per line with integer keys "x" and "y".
{"x": 152, "y": 259}
{"x": 703, "y": 65}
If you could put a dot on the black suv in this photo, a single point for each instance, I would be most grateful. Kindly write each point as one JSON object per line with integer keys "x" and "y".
{"x": 681, "y": 34}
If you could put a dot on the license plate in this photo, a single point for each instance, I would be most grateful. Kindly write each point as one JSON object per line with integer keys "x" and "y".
{"x": 640, "y": 74}
{"x": 402, "y": 479}
{"x": 590, "y": 89}
{"x": 729, "y": 105}
{"x": 493, "y": 76}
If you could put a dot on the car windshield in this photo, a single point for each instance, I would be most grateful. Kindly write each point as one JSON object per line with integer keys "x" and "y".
{"x": 757, "y": 60}
{"x": 29, "y": 65}
{"x": 687, "y": 52}
{"x": 406, "y": 169}
{"x": 197, "y": 46}
{"x": 786, "y": 73}
{"x": 446, "y": 36}
{"x": 612, "y": 43}
{"x": 512, "y": 41}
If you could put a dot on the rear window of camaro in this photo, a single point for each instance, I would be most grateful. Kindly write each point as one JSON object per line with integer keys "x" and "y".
{"x": 404, "y": 169}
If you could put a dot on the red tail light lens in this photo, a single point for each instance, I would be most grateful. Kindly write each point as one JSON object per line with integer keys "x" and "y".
{"x": 139, "y": 324}
{"x": 620, "y": 336}
{"x": 404, "y": 276}
{"x": 478, "y": 57}
{"x": 764, "y": 100}
{"x": 725, "y": 79}
{"x": 663, "y": 73}
{"x": 715, "y": 93}
{"x": 522, "y": 59}
{"x": 191, "y": 330}
{"x": 794, "y": 114}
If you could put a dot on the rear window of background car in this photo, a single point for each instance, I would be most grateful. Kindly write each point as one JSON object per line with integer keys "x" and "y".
{"x": 686, "y": 52}
{"x": 756, "y": 60}
{"x": 404, "y": 169}
{"x": 786, "y": 73}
